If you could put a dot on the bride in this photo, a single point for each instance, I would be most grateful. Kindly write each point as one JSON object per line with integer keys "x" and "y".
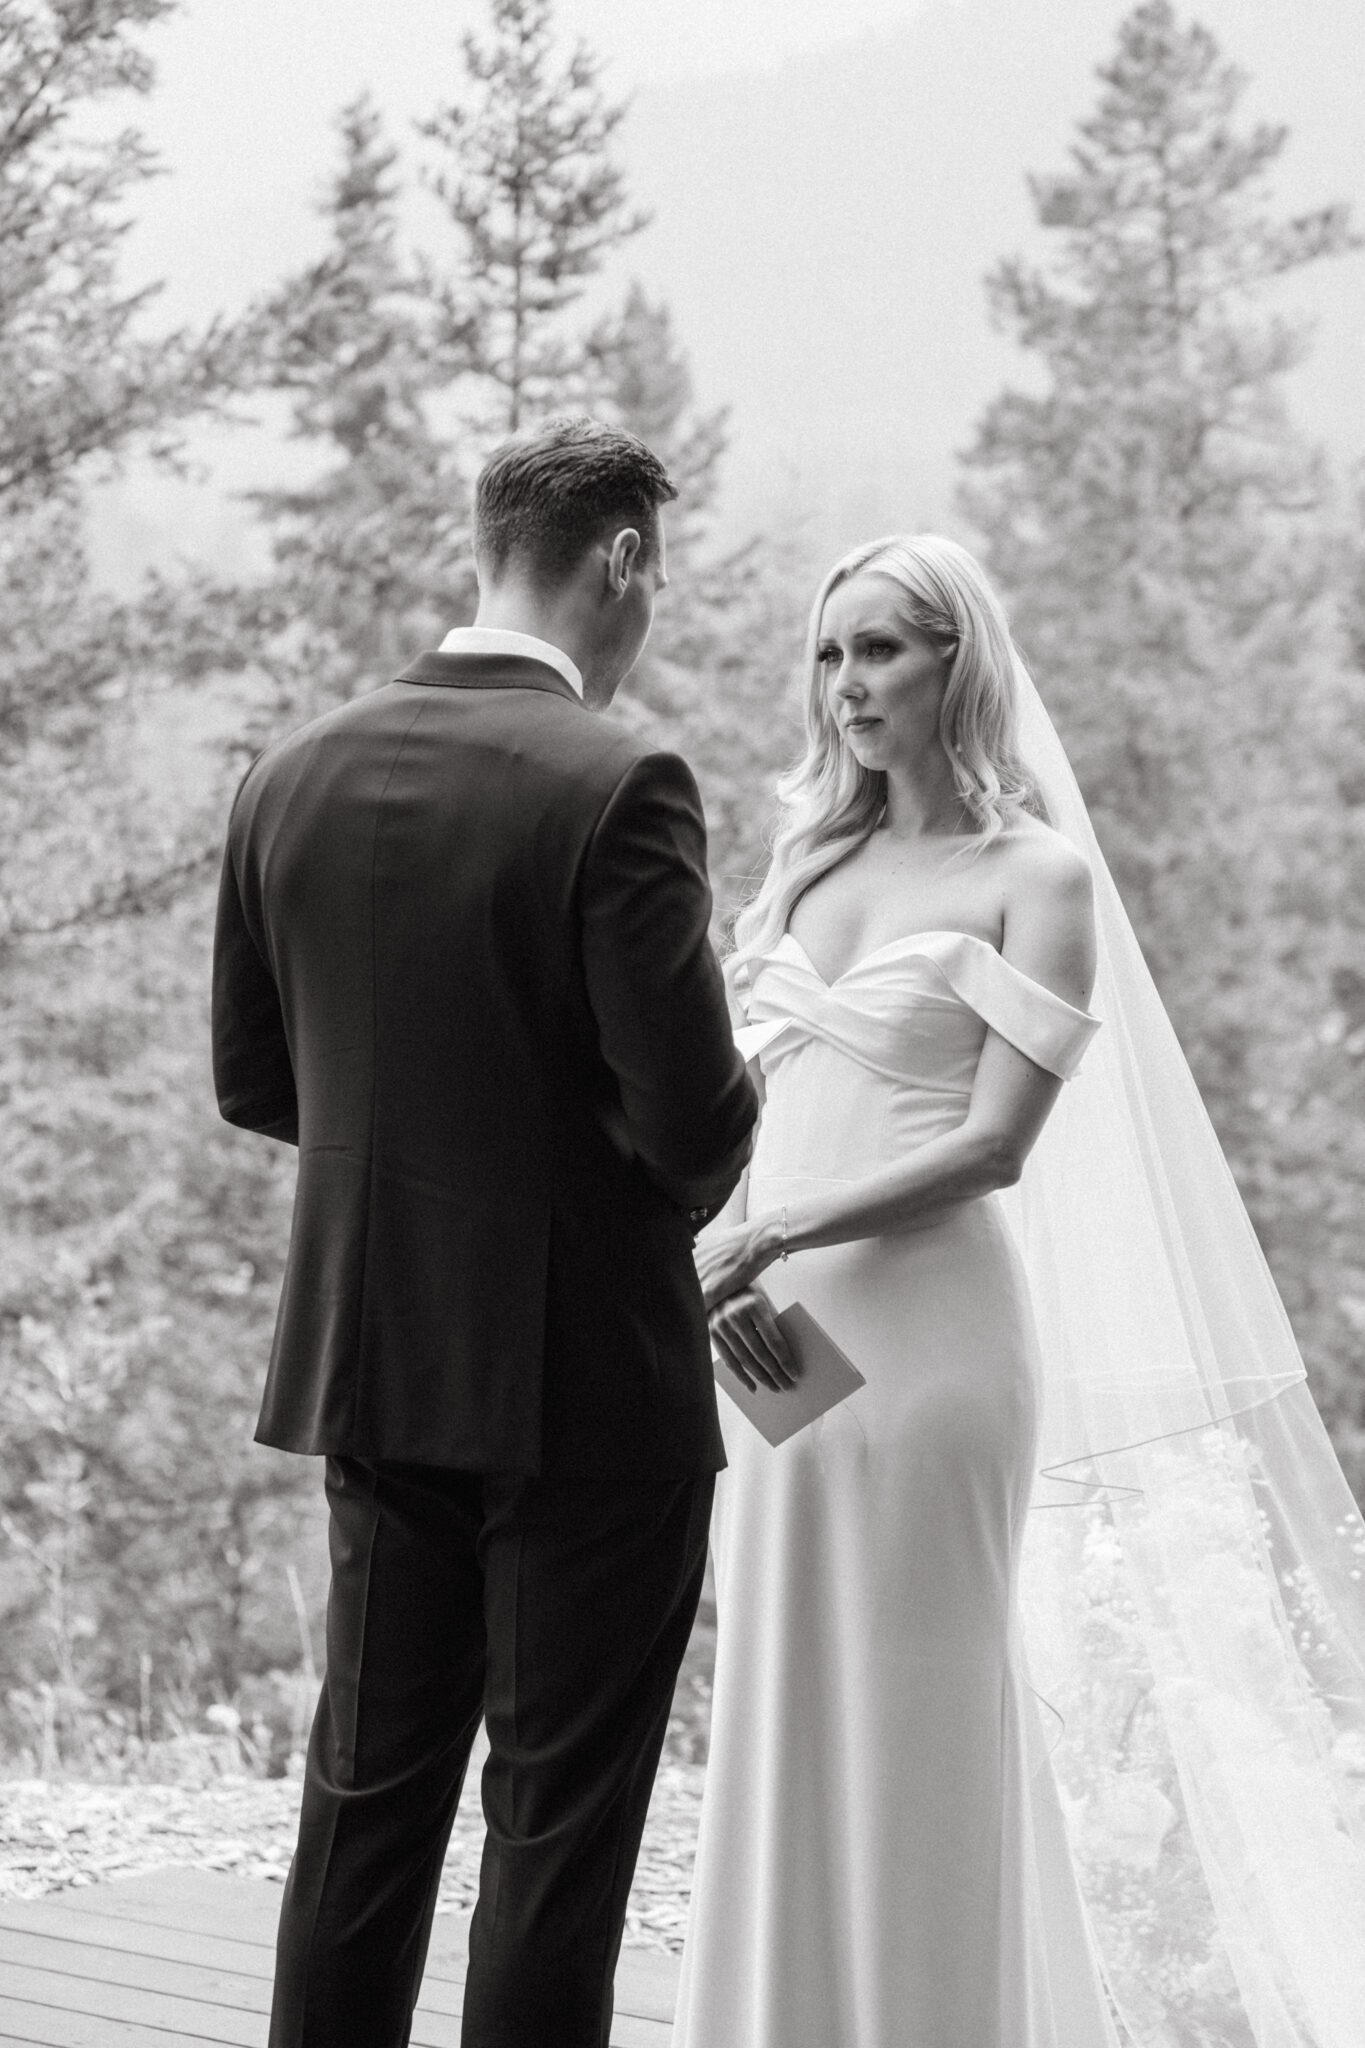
{"x": 1056, "y": 1301}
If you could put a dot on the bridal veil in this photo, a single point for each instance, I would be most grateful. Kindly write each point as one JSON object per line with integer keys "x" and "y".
{"x": 1193, "y": 1579}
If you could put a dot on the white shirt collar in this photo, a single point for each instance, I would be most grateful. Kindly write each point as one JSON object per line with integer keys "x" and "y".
{"x": 501, "y": 640}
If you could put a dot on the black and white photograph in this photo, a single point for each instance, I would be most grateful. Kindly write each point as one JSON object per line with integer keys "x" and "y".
{"x": 682, "y": 1024}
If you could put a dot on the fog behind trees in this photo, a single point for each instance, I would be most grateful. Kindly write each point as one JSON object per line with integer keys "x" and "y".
{"x": 828, "y": 183}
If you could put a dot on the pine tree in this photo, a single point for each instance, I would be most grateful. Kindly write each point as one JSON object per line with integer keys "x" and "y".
{"x": 636, "y": 374}
{"x": 82, "y": 384}
{"x": 84, "y": 387}
{"x": 716, "y": 674}
{"x": 1164, "y": 536}
{"x": 1142, "y": 507}
{"x": 109, "y": 1369}
{"x": 1152, "y": 512}
{"x": 372, "y": 557}
{"x": 527, "y": 177}
{"x": 78, "y": 378}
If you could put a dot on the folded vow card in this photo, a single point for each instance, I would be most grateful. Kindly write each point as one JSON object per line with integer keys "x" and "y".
{"x": 824, "y": 1377}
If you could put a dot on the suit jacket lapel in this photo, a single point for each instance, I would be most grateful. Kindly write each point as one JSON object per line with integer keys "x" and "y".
{"x": 488, "y": 672}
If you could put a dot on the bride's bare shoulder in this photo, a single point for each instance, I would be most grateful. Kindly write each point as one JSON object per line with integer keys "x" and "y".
{"x": 1041, "y": 857}
{"x": 1049, "y": 921}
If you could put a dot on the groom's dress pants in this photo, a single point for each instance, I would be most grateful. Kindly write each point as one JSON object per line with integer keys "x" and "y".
{"x": 556, "y": 1610}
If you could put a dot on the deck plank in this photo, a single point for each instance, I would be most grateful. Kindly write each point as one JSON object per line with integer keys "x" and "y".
{"x": 115, "y": 1935}
{"x": 45, "y": 2026}
{"x": 22, "y": 1948}
{"x": 177, "y": 1958}
{"x": 193, "y": 2019}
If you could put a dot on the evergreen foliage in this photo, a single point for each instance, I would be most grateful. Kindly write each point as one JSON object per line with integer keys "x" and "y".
{"x": 128, "y": 1482}
{"x": 82, "y": 383}
{"x": 1167, "y": 540}
{"x": 636, "y": 375}
{"x": 372, "y": 556}
{"x": 526, "y": 176}
{"x": 78, "y": 378}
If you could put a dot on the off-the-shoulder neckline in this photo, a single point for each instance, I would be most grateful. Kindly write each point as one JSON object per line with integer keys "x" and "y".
{"x": 912, "y": 940}
{"x": 891, "y": 946}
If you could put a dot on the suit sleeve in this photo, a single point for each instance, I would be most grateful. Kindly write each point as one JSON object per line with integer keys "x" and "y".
{"x": 656, "y": 987}
{"x": 252, "y": 1070}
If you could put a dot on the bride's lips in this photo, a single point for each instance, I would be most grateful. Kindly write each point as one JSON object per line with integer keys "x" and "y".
{"x": 857, "y": 724}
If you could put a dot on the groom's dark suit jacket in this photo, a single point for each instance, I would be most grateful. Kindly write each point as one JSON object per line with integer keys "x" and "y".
{"x": 462, "y": 961}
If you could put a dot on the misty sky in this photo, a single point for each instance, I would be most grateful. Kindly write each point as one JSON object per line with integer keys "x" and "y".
{"x": 830, "y": 180}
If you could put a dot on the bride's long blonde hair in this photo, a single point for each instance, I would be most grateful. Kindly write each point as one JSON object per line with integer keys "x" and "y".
{"x": 828, "y": 803}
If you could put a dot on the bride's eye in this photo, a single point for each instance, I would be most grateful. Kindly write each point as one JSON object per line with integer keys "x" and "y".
{"x": 879, "y": 647}
{"x": 826, "y": 655}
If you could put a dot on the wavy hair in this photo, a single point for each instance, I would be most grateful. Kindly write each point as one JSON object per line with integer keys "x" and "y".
{"x": 828, "y": 803}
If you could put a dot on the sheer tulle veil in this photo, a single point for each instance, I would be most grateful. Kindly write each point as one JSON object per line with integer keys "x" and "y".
{"x": 1192, "y": 1596}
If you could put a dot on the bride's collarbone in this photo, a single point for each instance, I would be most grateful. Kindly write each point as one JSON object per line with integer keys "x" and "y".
{"x": 837, "y": 934}
{"x": 883, "y": 894}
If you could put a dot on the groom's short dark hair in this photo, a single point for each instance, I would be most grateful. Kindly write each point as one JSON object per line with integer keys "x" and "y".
{"x": 546, "y": 496}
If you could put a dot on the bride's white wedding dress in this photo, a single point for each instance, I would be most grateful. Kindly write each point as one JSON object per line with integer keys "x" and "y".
{"x": 883, "y": 1861}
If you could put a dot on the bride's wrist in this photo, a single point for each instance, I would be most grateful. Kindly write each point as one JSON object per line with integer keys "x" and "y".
{"x": 770, "y": 1237}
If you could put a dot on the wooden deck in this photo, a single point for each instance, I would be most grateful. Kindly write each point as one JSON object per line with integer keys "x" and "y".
{"x": 185, "y": 1956}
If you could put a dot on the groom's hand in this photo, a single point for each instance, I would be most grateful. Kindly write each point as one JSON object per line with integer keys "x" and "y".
{"x": 745, "y": 1332}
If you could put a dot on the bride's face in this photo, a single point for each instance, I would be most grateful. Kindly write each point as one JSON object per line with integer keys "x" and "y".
{"x": 883, "y": 679}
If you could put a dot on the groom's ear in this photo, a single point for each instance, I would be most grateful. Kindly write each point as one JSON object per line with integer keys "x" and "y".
{"x": 622, "y": 558}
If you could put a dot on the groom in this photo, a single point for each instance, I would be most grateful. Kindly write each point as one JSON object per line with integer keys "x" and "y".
{"x": 462, "y": 963}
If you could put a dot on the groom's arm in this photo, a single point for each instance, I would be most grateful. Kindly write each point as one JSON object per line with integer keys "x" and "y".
{"x": 656, "y": 988}
{"x": 252, "y": 1070}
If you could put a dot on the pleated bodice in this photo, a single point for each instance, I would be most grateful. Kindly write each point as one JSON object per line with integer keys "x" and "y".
{"x": 894, "y": 1041}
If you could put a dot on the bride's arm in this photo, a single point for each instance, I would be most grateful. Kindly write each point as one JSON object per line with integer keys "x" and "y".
{"x": 1049, "y": 935}
{"x": 744, "y": 1330}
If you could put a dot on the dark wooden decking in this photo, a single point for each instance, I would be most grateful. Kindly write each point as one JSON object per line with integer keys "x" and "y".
{"x": 184, "y": 1956}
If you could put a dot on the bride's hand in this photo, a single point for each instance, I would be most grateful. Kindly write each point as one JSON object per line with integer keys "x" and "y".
{"x": 732, "y": 1256}
{"x": 743, "y": 1325}
{"x": 745, "y": 1333}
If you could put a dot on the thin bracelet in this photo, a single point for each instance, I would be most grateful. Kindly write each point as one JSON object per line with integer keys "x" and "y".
{"x": 783, "y": 1252}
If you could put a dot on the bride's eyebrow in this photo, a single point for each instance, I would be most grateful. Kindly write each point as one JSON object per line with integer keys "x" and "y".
{"x": 861, "y": 633}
